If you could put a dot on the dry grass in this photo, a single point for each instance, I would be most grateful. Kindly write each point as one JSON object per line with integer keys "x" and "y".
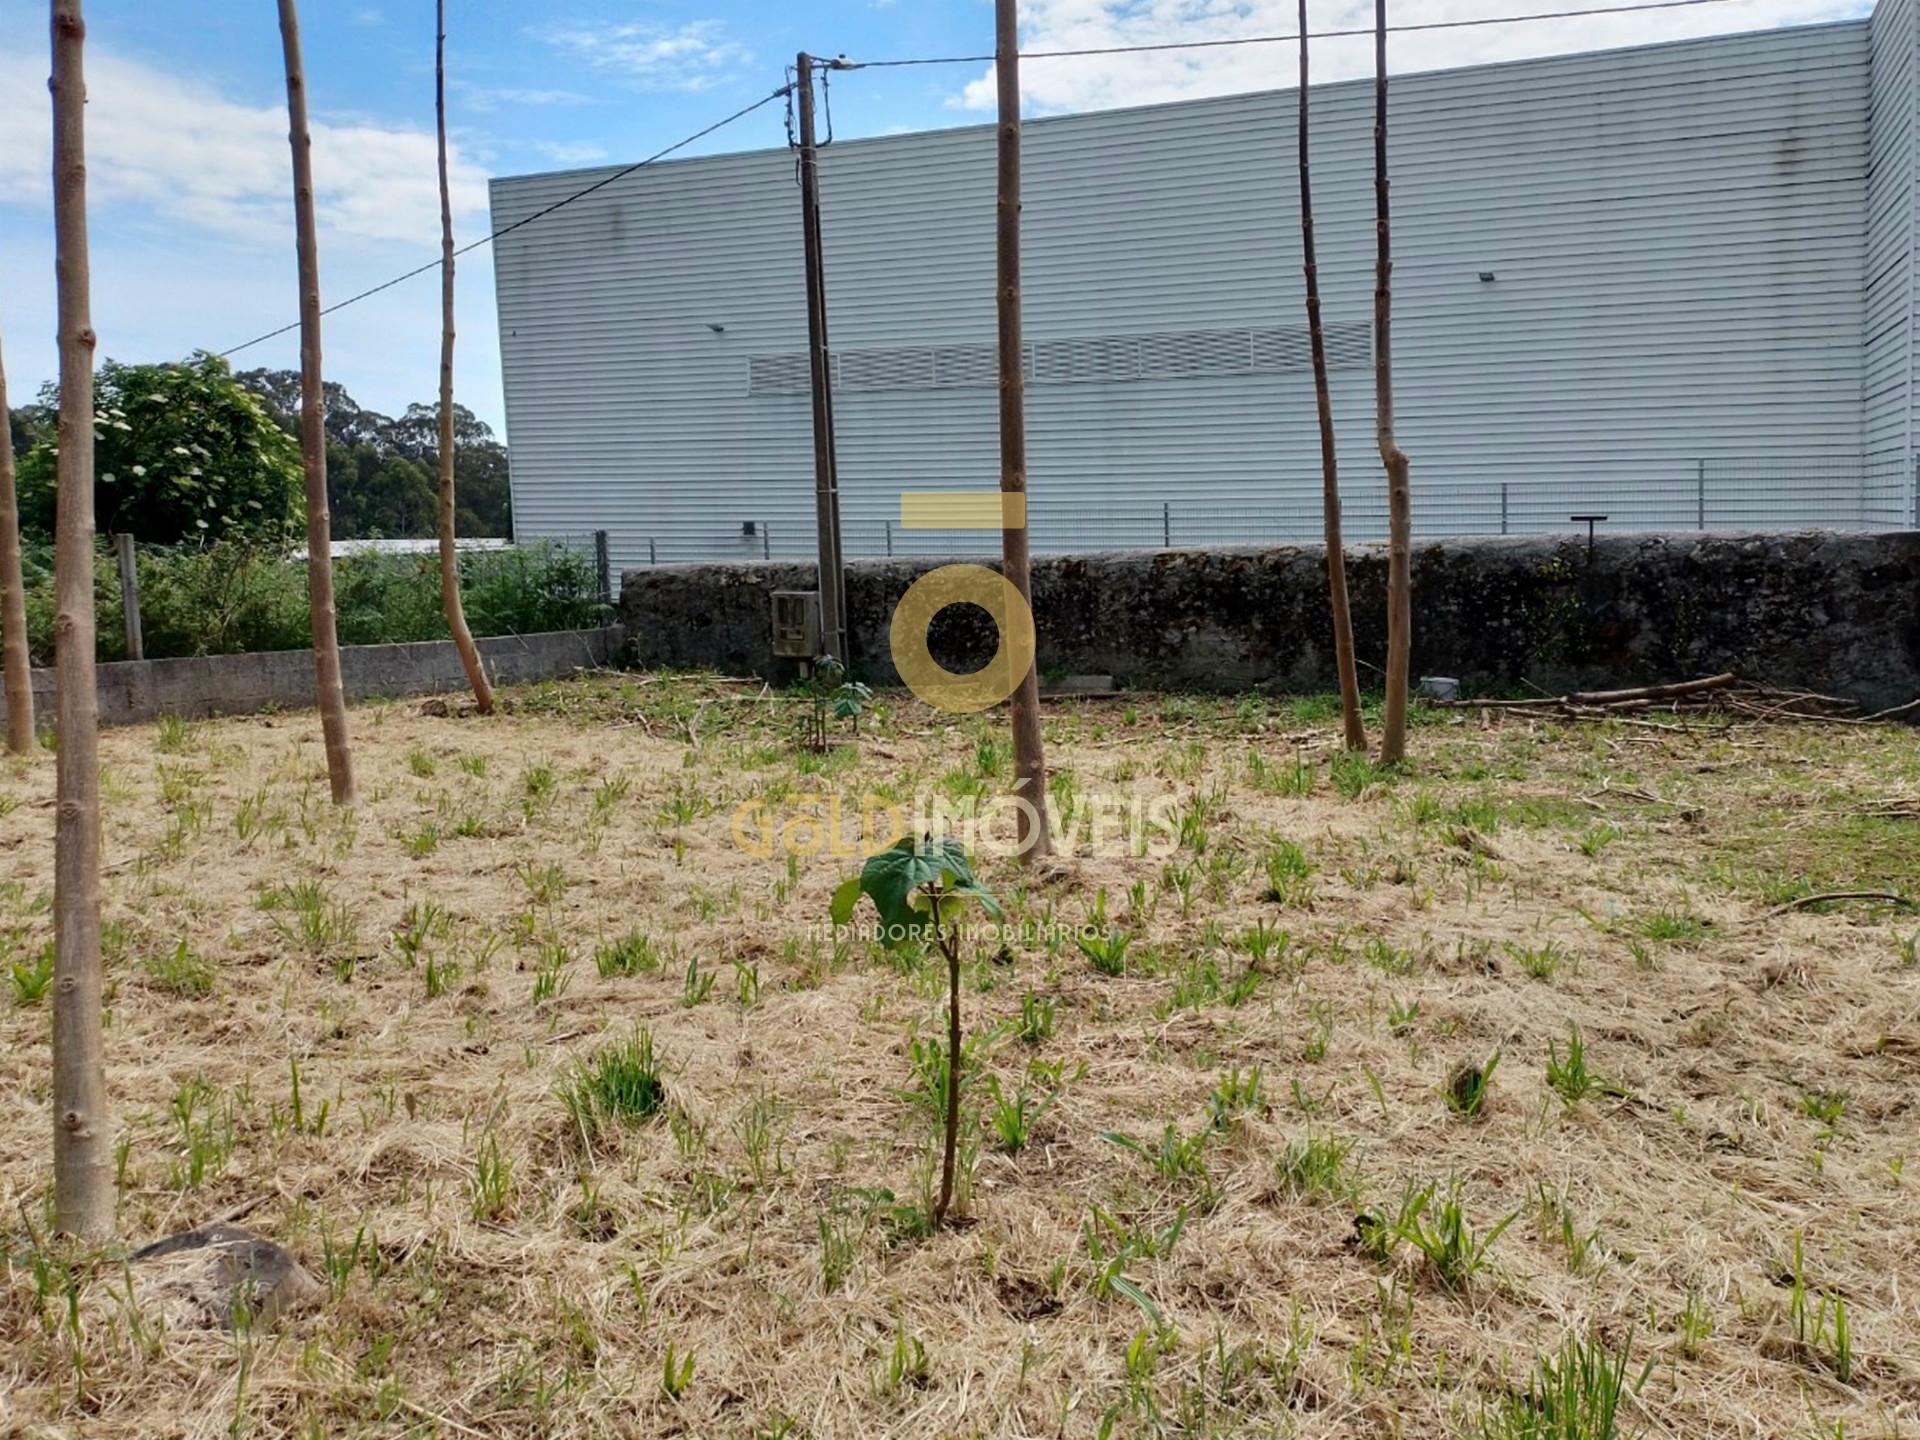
{"x": 494, "y": 1268}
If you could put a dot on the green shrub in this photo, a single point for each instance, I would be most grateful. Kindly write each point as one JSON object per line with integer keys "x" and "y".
{"x": 230, "y": 597}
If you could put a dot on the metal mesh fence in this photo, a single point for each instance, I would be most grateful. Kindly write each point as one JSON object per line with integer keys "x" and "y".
{"x": 1703, "y": 495}
{"x": 1633, "y": 497}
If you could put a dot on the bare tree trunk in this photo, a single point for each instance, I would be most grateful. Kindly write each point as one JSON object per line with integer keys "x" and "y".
{"x": 1356, "y": 730}
{"x": 313, "y": 439}
{"x": 1393, "y": 725}
{"x": 1034, "y": 835}
{"x": 82, "y": 1168}
{"x": 13, "y": 598}
{"x": 449, "y": 561}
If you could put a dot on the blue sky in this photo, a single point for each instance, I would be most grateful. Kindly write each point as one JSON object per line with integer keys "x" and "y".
{"x": 190, "y": 208}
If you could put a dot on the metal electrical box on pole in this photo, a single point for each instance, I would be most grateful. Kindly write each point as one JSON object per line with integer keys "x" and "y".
{"x": 826, "y": 477}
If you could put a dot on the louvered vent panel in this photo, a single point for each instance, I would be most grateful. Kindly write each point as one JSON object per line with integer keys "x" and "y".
{"x": 910, "y": 369}
{"x": 777, "y": 375}
{"x": 1350, "y": 344}
{"x": 1282, "y": 348}
{"x": 1196, "y": 352}
{"x": 966, "y": 367}
{"x": 1082, "y": 360}
{"x": 1085, "y": 359}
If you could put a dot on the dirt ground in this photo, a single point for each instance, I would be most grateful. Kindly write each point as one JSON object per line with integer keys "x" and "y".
{"x": 1190, "y": 1185}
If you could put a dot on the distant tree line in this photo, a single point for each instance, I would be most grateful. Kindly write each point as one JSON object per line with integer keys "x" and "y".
{"x": 190, "y": 451}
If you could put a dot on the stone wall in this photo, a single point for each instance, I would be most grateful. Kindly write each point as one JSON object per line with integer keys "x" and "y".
{"x": 1837, "y": 612}
{"x": 135, "y": 690}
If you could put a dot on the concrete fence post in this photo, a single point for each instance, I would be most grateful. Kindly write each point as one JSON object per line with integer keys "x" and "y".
{"x": 1166, "y": 524}
{"x": 603, "y": 566}
{"x": 130, "y": 595}
{"x": 766, "y": 541}
{"x": 653, "y": 551}
{"x": 1503, "y": 507}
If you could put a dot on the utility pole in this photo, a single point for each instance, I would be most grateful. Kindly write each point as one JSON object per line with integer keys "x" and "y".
{"x": 826, "y": 464}
{"x": 1034, "y": 836}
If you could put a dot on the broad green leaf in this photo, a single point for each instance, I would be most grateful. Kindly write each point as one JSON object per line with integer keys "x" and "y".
{"x": 894, "y": 877}
{"x": 845, "y": 897}
{"x": 983, "y": 898}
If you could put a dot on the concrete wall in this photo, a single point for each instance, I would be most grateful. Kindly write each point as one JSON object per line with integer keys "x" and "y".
{"x": 1830, "y": 611}
{"x": 135, "y": 690}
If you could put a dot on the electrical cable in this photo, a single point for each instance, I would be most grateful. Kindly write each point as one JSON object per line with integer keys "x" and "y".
{"x": 541, "y": 213}
{"x": 1368, "y": 30}
{"x": 842, "y": 63}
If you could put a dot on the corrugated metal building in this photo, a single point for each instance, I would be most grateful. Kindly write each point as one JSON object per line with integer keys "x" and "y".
{"x": 1700, "y": 312}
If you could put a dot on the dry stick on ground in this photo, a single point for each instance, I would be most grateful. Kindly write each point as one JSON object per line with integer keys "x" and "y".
{"x": 1639, "y": 696}
{"x": 1831, "y": 895}
{"x": 1034, "y": 835}
{"x": 1393, "y": 723}
{"x": 449, "y": 560}
{"x": 13, "y": 597}
{"x": 331, "y": 694}
{"x": 1725, "y": 694}
{"x": 1356, "y": 730}
{"x": 82, "y": 1134}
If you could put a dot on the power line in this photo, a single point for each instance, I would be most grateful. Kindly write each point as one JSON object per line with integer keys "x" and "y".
{"x": 1285, "y": 39}
{"x": 844, "y": 64}
{"x": 492, "y": 236}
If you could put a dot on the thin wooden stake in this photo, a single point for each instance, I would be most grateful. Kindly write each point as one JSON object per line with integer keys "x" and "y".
{"x": 329, "y": 691}
{"x": 1355, "y": 726}
{"x": 82, "y": 1130}
{"x": 14, "y": 663}
{"x": 1393, "y": 721}
{"x": 449, "y": 559}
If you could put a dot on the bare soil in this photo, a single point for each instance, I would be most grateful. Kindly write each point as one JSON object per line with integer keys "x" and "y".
{"x": 360, "y": 1023}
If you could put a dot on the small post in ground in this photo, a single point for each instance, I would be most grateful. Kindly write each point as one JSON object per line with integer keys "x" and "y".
{"x": 129, "y": 594}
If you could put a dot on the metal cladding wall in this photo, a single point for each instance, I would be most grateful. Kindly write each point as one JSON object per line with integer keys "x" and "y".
{"x": 1888, "y": 360}
{"x": 1677, "y": 329}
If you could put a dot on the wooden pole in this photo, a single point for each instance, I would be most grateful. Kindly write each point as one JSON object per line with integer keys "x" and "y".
{"x": 125, "y": 562}
{"x": 82, "y": 1132}
{"x": 1355, "y": 726}
{"x": 449, "y": 559}
{"x": 14, "y": 664}
{"x": 329, "y": 691}
{"x": 1393, "y": 723}
{"x": 1034, "y": 835}
{"x": 826, "y": 459}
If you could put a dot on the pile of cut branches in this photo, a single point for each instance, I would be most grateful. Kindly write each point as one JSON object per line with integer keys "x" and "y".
{"x": 1725, "y": 694}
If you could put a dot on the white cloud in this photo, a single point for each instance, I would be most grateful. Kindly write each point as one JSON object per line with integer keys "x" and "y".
{"x": 570, "y": 152}
{"x": 488, "y": 98}
{"x": 370, "y": 16}
{"x": 692, "y": 56}
{"x": 1105, "y": 81}
{"x": 187, "y": 155}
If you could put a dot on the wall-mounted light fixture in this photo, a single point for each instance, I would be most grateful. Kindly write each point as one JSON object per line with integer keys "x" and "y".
{"x": 1486, "y": 277}
{"x": 721, "y": 329}
{"x": 748, "y": 530}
